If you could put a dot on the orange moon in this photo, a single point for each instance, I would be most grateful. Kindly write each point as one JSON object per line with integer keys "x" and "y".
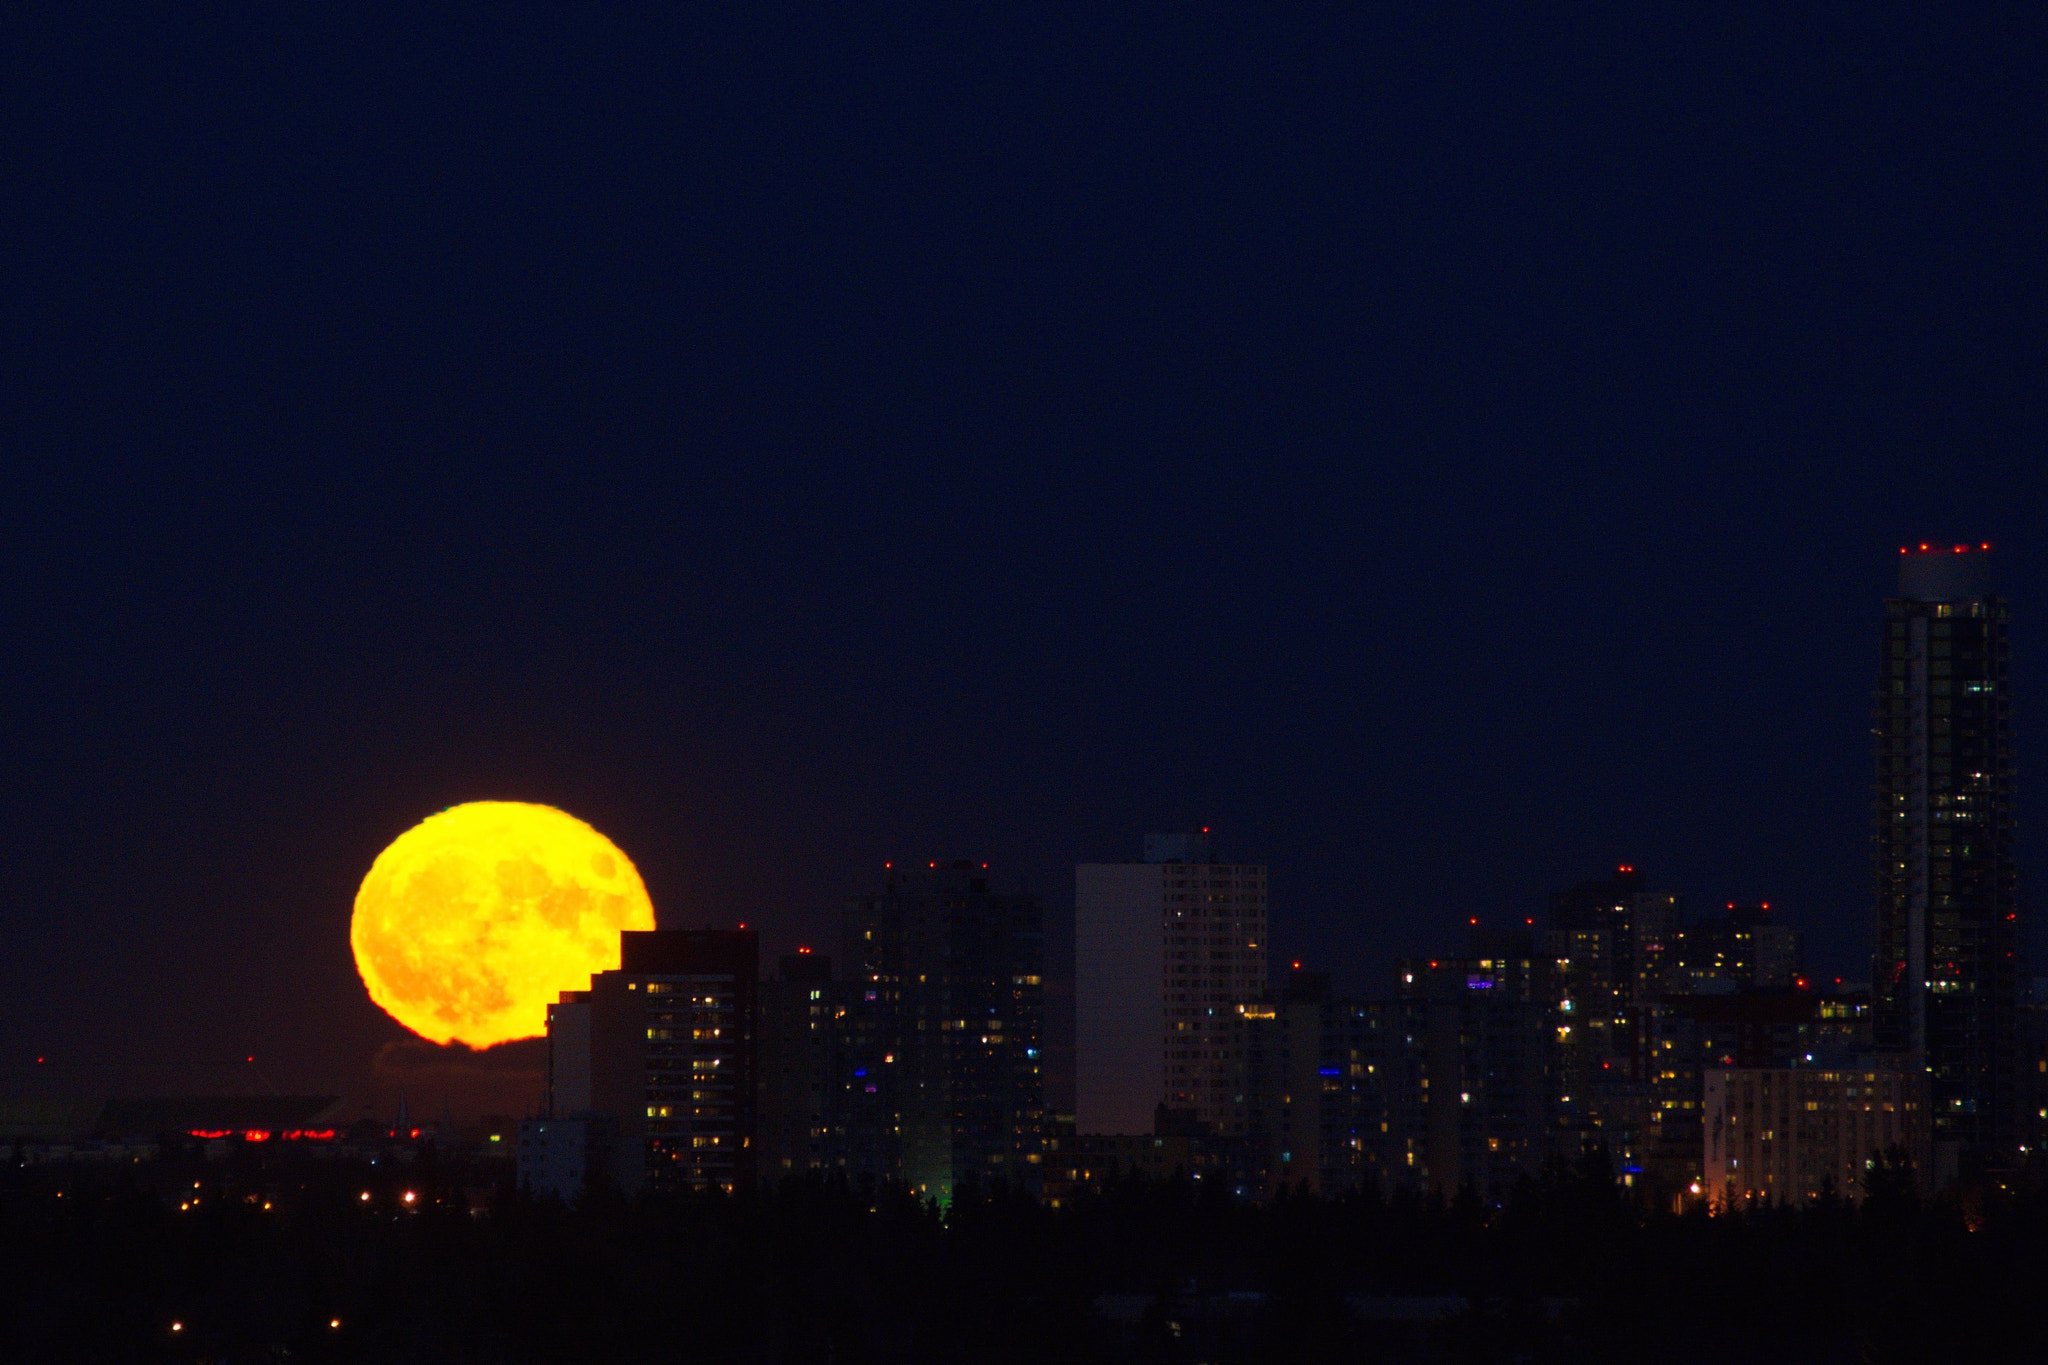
{"x": 474, "y": 920}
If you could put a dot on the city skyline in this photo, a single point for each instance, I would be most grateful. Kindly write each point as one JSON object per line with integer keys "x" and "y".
{"x": 793, "y": 449}
{"x": 512, "y": 1073}
{"x": 1061, "y": 682}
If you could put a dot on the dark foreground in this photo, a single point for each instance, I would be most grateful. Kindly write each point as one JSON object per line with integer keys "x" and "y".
{"x": 99, "y": 1265}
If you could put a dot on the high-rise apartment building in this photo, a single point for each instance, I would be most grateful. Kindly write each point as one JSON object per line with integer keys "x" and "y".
{"x": 1948, "y": 960}
{"x": 1743, "y": 949}
{"x": 1609, "y": 949}
{"x": 1782, "y": 1135}
{"x": 1488, "y": 1064}
{"x": 1372, "y": 1102}
{"x": 1330, "y": 1093}
{"x": 664, "y": 1047}
{"x": 1164, "y": 952}
{"x": 945, "y": 1031}
{"x": 800, "y": 1075}
{"x": 1613, "y": 940}
{"x": 1278, "y": 1096}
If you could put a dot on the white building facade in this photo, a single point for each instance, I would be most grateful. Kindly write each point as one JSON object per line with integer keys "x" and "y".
{"x": 1164, "y": 952}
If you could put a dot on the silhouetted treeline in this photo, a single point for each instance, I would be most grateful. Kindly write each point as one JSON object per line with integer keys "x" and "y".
{"x": 99, "y": 1264}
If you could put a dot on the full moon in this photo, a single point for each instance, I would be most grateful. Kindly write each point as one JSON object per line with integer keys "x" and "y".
{"x": 474, "y": 920}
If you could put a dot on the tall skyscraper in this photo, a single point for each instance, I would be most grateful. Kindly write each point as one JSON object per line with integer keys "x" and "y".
{"x": 665, "y": 1047}
{"x": 1488, "y": 1063}
{"x": 1609, "y": 950}
{"x": 1616, "y": 939}
{"x": 945, "y": 994}
{"x": 799, "y": 1072}
{"x": 1744, "y": 948}
{"x": 1164, "y": 952}
{"x": 1374, "y": 1132}
{"x": 1279, "y": 1085}
{"x": 1948, "y": 958}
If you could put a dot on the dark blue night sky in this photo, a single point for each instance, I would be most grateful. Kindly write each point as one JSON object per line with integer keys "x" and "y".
{"x": 1447, "y": 450}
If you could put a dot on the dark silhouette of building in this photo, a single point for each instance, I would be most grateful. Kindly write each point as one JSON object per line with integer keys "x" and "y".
{"x": 1327, "y": 1094}
{"x": 1609, "y": 950}
{"x": 1948, "y": 960}
{"x": 1741, "y": 949}
{"x": 800, "y": 1070}
{"x": 945, "y": 995}
{"x": 1094, "y": 1161}
{"x": 1277, "y": 1085}
{"x": 1489, "y": 1064}
{"x": 562, "y": 1158}
{"x": 664, "y": 1046}
{"x": 1371, "y": 1104}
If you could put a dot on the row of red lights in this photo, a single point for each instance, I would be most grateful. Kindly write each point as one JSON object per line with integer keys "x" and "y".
{"x": 264, "y": 1134}
{"x": 1925, "y": 548}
